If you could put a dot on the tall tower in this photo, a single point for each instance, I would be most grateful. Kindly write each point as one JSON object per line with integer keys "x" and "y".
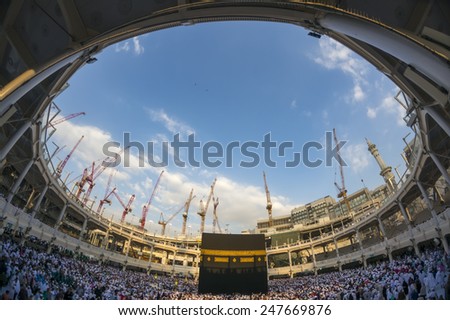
{"x": 386, "y": 172}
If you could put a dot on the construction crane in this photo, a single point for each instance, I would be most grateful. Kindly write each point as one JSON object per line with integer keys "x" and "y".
{"x": 107, "y": 192}
{"x": 67, "y": 177}
{"x": 105, "y": 200}
{"x": 62, "y": 164}
{"x": 342, "y": 190}
{"x": 164, "y": 223}
{"x": 149, "y": 202}
{"x": 126, "y": 207}
{"x": 86, "y": 176}
{"x": 204, "y": 209}
{"x": 106, "y": 163}
{"x": 57, "y": 150}
{"x": 269, "y": 201}
{"x": 216, "y": 218}
{"x": 186, "y": 210}
{"x": 90, "y": 180}
{"x": 61, "y": 120}
{"x": 95, "y": 169}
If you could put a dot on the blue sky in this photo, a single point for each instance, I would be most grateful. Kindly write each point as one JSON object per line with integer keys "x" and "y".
{"x": 224, "y": 82}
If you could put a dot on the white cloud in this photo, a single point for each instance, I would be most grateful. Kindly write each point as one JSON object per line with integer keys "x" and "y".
{"x": 294, "y": 104}
{"x": 122, "y": 46}
{"x": 171, "y": 124}
{"x": 125, "y": 46}
{"x": 241, "y": 205}
{"x": 138, "y": 48}
{"x": 389, "y": 107}
{"x": 358, "y": 93}
{"x": 333, "y": 55}
{"x": 371, "y": 113}
{"x": 356, "y": 156}
{"x": 90, "y": 148}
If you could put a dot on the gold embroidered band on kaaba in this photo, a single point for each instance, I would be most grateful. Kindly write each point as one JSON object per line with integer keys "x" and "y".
{"x": 233, "y": 256}
{"x": 233, "y": 253}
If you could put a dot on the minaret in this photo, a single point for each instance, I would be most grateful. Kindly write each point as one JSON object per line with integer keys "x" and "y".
{"x": 386, "y": 172}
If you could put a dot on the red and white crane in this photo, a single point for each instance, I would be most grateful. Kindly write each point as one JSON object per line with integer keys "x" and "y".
{"x": 61, "y": 120}
{"x": 186, "y": 211}
{"x": 269, "y": 201}
{"x": 107, "y": 193}
{"x": 164, "y": 223}
{"x": 106, "y": 163}
{"x": 126, "y": 207}
{"x": 86, "y": 176}
{"x": 149, "y": 202}
{"x": 90, "y": 180}
{"x": 62, "y": 164}
{"x": 216, "y": 218}
{"x": 342, "y": 190}
{"x": 105, "y": 200}
{"x": 204, "y": 208}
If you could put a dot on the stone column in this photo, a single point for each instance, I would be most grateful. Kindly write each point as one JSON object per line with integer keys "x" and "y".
{"x": 83, "y": 229}
{"x": 127, "y": 246}
{"x": 151, "y": 255}
{"x": 173, "y": 262}
{"x": 290, "y": 263}
{"x": 314, "y": 259}
{"x": 434, "y": 214}
{"x": 439, "y": 119}
{"x": 19, "y": 181}
{"x": 388, "y": 249}
{"x": 337, "y": 253}
{"x": 13, "y": 140}
{"x": 361, "y": 249}
{"x": 61, "y": 215}
{"x": 441, "y": 168}
{"x": 411, "y": 234}
{"x": 37, "y": 206}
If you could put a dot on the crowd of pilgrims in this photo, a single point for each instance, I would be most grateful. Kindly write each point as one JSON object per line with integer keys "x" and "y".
{"x": 29, "y": 272}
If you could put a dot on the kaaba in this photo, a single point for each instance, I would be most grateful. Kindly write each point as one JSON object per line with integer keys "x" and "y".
{"x": 232, "y": 263}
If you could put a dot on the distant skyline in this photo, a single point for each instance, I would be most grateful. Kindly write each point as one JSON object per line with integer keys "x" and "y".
{"x": 224, "y": 82}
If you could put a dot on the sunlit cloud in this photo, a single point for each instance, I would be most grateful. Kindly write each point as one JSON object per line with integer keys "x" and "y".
{"x": 125, "y": 46}
{"x": 388, "y": 106}
{"x": 356, "y": 156}
{"x": 172, "y": 125}
{"x": 241, "y": 205}
{"x": 335, "y": 56}
{"x": 138, "y": 48}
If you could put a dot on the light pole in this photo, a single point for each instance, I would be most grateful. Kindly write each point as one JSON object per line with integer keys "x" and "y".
{"x": 92, "y": 203}
{"x": 368, "y": 192}
{"x": 151, "y": 224}
{"x": 398, "y": 174}
{"x": 406, "y": 143}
